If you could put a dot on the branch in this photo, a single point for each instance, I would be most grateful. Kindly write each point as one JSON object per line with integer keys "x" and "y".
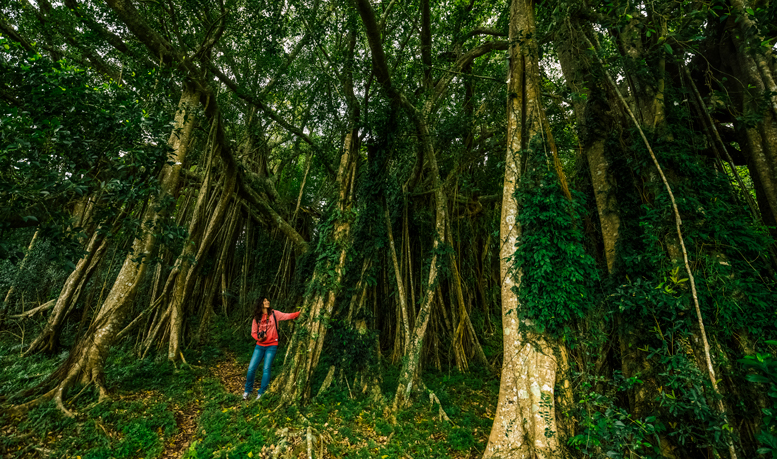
{"x": 384, "y": 18}
{"x": 155, "y": 43}
{"x": 110, "y": 37}
{"x": 44, "y": 307}
{"x": 470, "y": 74}
{"x": 261, "y": 105}
{"x": 482, "y": 31}
{"x": 246, "y": 192}
{"x": 380, "y": 68}
{"x": 14, "y": 35}
{"x": 97, "y": 62}
{"x": 463, "y": 61}
{"x": 168, "y": 54}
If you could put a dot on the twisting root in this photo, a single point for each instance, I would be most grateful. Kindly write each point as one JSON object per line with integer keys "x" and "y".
{"x": 443, "y": 416}
{"x": 18, "y": 410}
{"x": 60, "y": 405}
{"x": 104, "y": 395}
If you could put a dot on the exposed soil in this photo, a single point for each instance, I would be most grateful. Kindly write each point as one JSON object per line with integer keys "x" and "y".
{"x": 231, "y": 374}
{"x": 232, "y": 377}
{"x": 186, "y": 420}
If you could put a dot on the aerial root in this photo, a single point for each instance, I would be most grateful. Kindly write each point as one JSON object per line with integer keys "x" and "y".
{"x": 104, "y": 395}
{"x": 60, "y": 404}
{"x": 18, "y": 410}
{"x": 433, "y": 399}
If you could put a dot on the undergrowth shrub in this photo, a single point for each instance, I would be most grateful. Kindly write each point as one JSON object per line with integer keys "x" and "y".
{"x": 765, "y": 366}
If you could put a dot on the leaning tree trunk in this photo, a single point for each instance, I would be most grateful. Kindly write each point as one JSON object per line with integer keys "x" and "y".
{"x": 87, "y": 357}
{"x": 48, "y": 339}
{"x": 186, "y": 275}
{"x": 529, "y": 368}
{"x": 8, "y": 296}
{"x": 756, "y": 94}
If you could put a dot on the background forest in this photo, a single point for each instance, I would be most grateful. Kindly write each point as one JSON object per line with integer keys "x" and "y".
{"x": 514, "y": 229}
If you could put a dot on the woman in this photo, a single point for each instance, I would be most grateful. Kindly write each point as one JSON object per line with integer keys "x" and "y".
{"x": 265, "y": 331}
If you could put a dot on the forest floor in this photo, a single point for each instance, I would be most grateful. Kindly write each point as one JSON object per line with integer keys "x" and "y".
{"x": 195, "y": 410}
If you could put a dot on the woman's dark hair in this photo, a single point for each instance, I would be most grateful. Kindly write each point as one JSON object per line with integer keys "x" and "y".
{"x": 258, "y": 307}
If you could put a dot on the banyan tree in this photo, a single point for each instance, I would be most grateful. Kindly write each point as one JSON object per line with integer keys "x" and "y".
{"x": 578, "y": 197}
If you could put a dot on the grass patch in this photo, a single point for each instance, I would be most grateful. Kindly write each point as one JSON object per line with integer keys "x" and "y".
{"x": 156, "y": 405}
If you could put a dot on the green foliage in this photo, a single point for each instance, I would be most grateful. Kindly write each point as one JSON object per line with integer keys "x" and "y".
{"x": 61, "y": 119}
{"x": 765, "y": 376}
{"x": 16, "y": 372}
{"x": 119, "y": 428}
{"x": 614, "y": 431}
{"x": 461, "y": 439}
{"x": 558, "y": 276}
{"x": 351, "y": 349}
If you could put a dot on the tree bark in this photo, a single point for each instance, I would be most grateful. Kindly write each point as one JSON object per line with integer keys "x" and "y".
{"x": 88, "y": 356}
{"x": 592, "y": 121}
{"x": 525, "y": 412}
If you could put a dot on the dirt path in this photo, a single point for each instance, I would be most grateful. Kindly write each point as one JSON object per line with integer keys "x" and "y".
{"x": 232, "y": 377}
{"x": 186, "y": 419}
{"x": 231, "y": 374}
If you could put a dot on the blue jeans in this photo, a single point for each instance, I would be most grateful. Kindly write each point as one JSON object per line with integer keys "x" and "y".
{"x": 268, "y": 353}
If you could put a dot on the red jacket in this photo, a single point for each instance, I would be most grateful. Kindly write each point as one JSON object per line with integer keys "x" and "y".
{"x": 271, "y": 328}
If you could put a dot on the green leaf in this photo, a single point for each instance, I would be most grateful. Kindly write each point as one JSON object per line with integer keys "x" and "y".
{"x": 668, "y": 48}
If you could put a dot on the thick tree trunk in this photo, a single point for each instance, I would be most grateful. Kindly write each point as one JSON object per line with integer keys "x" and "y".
{"x": 754, "y": 82}
{"x": 187, "y": 272}
{"x": 592, "y": 121}
{"x": 89, "y": 353}
{"x": 525, "y": 410}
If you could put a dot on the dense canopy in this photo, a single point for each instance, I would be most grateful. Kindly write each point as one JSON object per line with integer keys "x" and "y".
{"x": 576, "y": 197}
